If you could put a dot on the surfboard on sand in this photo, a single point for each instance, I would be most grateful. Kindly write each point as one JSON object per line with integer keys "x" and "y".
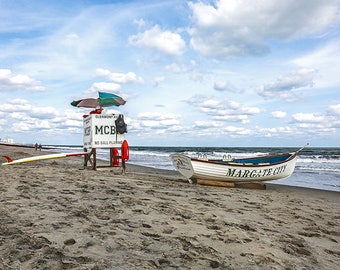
{"x": 42, "y": 157}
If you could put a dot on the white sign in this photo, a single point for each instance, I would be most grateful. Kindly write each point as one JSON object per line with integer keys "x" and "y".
{"x": 100, "y": 131}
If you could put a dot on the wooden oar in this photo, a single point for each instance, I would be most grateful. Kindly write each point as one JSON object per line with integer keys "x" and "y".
{"x": 251, "y": 185}
{"x": 215, "y": 183}
{"x": 231, "y": 185}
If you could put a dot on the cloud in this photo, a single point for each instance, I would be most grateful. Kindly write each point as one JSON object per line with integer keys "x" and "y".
{"x": 237, "y": 131}
{"x": 278, "y": 114}
{"x": 167, "y": 42}
{"x": 102, "y": 86}
{"x": 207, "y": 124}
{"x": 22, "y": 116}
{"x": 276, "y": 131}
{"x": 283, "y": 87}
{"x": 206, "y": 128}
{"x": 9, "y": 82}
{"x": 119, "y": 77}
{"x": 325, "y": 59}
{"x": 157, "y": 120}
{"x": 243, "y": 118}
{"x": 316, "y": 123}
{"x": 240, "y": 27}
{"x": 115, "y": 80}
{"x": 158, "y": 80}
{"x": 16, "y": 105}
{"x": 224, "y": 86}
{"x": 335, "y": 109}
{"x": 139, "y": 22}
{"x": 154, "y": 123}
{"x": 47, "y": 112}
{"x": 223, "y": 110}
{"x": 176, "y": 68}
{"x": 308, "y": 118}
{"x": 156, "y": 116}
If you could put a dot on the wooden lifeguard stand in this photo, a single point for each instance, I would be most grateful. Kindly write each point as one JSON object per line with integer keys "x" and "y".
{"x": 101, "y": 131}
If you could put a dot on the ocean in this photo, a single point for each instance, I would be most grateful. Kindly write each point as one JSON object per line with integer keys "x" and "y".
{"x": 317, "y": 168}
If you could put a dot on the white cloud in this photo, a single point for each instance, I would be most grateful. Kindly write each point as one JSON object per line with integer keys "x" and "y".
{"x": 211, "y": 104}
{"x": 283, "y": 87}
{"x": 316, "y": 123}
{"x": 47, "y": 112}
{"x": 167, "y": 42}
{"x": 118, "y": 77}
{"x": 139, "y": 22}
{"x": 154, "y": 123}
{"x": 207, "y": 124}
{"x": 278, "y": 114}
{"x": 241, "y": 27}
{"x": 244, "y": 119}
{"x": 8, "y": 82}
{"x": 234, "y": 131}
{"x": 335, "y": 109}
{"x": 158, "y": 80}
{"x": 224, "y": 86}
{"x": 250, "y": 110}
{"x": 101, "y": 86}
{"x": 308, "y": 118}
{"x": 325, "y": 59}
{"x": 221, "y": 107}
{"x": 22, "y": 116}
{"x": 157, "y": 121}
{"x": 72, "y": 115}
{"x": 16, "y": 105}
{"x": 223, "y": 110}
{"x": 176, "y": 68}
{"x": 275, "y": 131}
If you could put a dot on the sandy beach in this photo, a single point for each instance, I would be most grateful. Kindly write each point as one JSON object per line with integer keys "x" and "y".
{"x": 56, "y": 215}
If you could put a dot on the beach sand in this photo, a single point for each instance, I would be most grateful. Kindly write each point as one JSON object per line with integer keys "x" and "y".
{"x": 56, "y": 215}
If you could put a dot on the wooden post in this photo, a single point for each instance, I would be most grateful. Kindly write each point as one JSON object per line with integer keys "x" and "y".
{"x": 94, "y": 153}
{"x": 93, "y": 161}
{"x": 111, "y": 156}
{"x": 85, "y": 158}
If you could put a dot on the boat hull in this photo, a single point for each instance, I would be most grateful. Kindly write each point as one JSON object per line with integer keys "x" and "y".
{"x": 194, "y": 169}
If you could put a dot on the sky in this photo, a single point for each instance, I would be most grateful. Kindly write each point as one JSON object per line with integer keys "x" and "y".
{"x": 193, "y": 73}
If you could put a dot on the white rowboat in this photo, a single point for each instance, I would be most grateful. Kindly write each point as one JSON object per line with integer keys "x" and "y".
{"x": 243, "y": 170}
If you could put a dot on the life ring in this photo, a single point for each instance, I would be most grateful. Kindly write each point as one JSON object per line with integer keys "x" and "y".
{"x": 125, "y": 151}
{"x": 115, "y": 154}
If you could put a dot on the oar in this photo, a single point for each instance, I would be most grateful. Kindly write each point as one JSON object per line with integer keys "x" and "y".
{"x": 302, "y": 148}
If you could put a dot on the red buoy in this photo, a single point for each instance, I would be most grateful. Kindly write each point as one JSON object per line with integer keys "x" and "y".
{"x": 115, "y": 154}
{"x": 125, "y": 151}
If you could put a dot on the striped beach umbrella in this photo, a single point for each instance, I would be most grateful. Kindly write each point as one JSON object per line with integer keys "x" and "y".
{"x": 104, "y": 100}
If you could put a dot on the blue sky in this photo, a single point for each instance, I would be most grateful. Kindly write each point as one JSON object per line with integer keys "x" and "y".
{"x": 193, "y": 73}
